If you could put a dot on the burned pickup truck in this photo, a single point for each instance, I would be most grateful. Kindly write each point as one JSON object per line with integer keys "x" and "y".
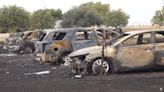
{"x": 58, "y": 44}
{"x": 25, "y": 43}
{"x": 129, "y": 51}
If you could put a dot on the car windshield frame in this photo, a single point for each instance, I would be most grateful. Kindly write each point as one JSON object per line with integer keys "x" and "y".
{"x": 49, "y": 36}
{"x": 117, "y": 38}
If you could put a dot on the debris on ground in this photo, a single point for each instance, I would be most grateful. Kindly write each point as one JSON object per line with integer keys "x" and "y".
{"x": 7, "y": 55}
{"x": 78, "y": 76}
{"x": 7, "y": 72}
{"x": 161, "y": 89}
{"x": 38, "y": 73}
{"x": 53, "y": 68}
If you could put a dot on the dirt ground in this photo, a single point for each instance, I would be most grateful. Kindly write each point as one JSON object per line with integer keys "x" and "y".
{"x": 15, "y": 76}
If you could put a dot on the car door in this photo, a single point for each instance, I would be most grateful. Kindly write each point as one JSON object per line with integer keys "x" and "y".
{"x": 136, "y": 52}
{"x": 83, "y": 39}
{"x": 159, "y": 48}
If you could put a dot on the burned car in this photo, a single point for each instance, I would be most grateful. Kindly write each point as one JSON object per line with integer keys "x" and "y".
{"x": 129, "y": 51}
{"x": 26, "y": 42}
{"x": 58, "y": 44}
{"x": 11, "y": 40}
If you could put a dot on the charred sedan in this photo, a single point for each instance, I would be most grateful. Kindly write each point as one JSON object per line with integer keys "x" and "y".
{"x": 58, "y": 44}
{"x": 131, "y": 50}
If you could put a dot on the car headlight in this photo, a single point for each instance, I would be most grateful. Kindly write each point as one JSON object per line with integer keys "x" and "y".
{"x": 79, "y": 58}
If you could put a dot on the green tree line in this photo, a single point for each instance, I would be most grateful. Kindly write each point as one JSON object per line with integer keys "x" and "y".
{"x": 14, "y": 18}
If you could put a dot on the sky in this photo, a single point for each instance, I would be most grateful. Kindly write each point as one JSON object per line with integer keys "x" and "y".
{"x": 140, "y": 11}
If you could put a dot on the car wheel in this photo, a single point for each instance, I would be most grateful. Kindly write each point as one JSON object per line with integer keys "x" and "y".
{"x": 96, "y": 66}
{"x": 27, "y": 50}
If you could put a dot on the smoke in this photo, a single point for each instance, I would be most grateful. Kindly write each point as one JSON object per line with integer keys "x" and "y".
{"x": 58, "y": 24}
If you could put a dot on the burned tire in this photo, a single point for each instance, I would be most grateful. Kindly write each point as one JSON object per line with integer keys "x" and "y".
{"x": 27, "y": 50}
{"x": 95, "y": 67}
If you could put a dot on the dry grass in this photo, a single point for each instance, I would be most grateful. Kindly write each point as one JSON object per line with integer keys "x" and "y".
{"x": 3, "y": 36}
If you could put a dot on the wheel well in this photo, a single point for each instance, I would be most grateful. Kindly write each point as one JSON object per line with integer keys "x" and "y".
{"x": 63, "y": 54}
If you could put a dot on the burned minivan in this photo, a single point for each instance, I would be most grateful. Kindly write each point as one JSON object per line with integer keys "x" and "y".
{"x": 129, "y": 51}
{"x": 59, "y": 43}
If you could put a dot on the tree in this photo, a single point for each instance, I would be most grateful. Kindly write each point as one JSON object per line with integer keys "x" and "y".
{"x": 80, "y": 17}
{"x": 98, "y": 8}
{"x": 57, "y": 14}
{"x": 13, "y": 18}
{"x": 44, "y": 19}
{"x": 116, "y": 18}
{"x": 158, "y": 18}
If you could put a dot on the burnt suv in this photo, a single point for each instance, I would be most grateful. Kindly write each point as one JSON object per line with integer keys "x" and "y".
{"x": 59, "y": 43}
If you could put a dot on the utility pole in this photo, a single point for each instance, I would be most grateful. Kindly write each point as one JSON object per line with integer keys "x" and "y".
{"x": 102, "y": 61}
{"x": 162, "y": 13}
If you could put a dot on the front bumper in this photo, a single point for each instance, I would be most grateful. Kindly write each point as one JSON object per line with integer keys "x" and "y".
{"x": 74, "y": 63}
{"x": 14, "y": 48}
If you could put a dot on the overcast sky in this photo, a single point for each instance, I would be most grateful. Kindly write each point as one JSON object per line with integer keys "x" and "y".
{"x": 140, "y": 11}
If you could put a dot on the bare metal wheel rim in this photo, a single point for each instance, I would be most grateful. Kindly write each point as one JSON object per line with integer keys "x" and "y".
{"x": 96, "y": 66}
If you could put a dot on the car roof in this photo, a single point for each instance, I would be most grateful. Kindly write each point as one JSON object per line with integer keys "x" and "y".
{"x": 132, "y": 33}
{"x": 143, "y": 31}
{"x": 84, "y": 28}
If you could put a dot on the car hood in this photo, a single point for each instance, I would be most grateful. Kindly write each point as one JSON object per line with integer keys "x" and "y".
{"x": 42, "y": 42}
{"x": 12, "y": 38}
{"x": 86, "y": 51}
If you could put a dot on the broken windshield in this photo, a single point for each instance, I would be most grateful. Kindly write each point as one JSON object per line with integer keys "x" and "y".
{"x": 54, "y": 36}
{"x": 116, "y": 39}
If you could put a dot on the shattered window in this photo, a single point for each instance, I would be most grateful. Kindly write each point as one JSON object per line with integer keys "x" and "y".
{"x": 138, "y": 40}
{"x": 146, "y": 38}
{"x": 81, "y": 35}
{"x": 41, "y": 36}
{"x": 131, "y": 41}
{"x": 116, "y": 39}
{"x": 159, "y": 37}
{"x": 89, "y": 35}
{"x": 58, "y": 36}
